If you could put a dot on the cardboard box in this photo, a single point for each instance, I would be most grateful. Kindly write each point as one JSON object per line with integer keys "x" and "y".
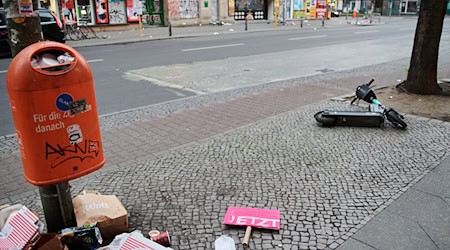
{"x": 20, "y": 229}
{"x": 132, "y": 241}
{"x": 48, "y": 241}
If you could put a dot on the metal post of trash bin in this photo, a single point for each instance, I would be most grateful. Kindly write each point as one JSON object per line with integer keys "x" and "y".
{"x": 58, "y": 208}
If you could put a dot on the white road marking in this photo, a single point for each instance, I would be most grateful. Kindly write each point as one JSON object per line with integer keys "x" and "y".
{"x": 369, "y": 31}
{"x": 176, "y": 92}
{"x": 89, "y": 61}
{"x": 95, "y": 60}
{"x": 307, "y": 37}
{"x": 214, "y": 47}
{"x": 407, "y": 29}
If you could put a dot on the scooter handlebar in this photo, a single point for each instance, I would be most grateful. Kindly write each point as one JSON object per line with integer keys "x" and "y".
{"x": 371, "y": 81}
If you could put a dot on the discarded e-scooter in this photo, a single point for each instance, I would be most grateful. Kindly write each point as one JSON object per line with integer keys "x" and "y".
{"x": 372, "y": 118}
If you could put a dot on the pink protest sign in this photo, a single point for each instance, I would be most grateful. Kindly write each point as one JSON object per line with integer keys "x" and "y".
{"x": 253, "y": 217}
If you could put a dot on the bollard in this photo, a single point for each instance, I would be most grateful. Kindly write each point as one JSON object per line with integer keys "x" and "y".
{"x": 301, "y": 22}
{"x": 323, "y": 22}
{"x": 170, "y": 29}
{"x": 245, "y": 22}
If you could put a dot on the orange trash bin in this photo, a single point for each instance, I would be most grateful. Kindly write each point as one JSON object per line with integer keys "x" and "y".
{"x": 52, "y": 99}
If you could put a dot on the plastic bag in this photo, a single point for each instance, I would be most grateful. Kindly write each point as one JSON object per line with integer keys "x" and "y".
{"x": 224, "y": 243}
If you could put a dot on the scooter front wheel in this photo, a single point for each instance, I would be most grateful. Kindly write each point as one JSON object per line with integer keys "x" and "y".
{"x": 395, "y": 119}
{"x": 325, "y": 120}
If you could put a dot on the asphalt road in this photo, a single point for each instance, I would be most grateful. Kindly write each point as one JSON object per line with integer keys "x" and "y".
{"x": 275, "y": 49}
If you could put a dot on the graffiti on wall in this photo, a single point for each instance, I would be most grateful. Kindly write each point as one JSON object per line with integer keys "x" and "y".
{"x": 174, "y": 8}
{"x": 117, "y": 9}
{"x": 188, "y": 9}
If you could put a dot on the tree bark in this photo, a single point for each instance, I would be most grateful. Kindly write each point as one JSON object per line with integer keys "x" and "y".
{"x": 422, "y": 73}
{"x": 23, "y": 29}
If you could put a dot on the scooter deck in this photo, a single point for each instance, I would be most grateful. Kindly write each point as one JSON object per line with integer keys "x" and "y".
{"x": 350, "y": 118}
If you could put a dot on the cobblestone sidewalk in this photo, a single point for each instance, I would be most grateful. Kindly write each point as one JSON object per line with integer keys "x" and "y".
{"x": 180, "y": 171}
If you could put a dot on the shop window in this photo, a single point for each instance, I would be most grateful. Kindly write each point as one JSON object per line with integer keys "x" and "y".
{"x": 2, "y": 19}
{"x": 412, "y": 7}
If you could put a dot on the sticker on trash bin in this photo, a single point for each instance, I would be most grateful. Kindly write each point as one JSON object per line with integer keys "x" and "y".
{"x": 75, "y": 134}
{"x": 77, "y": 106}
{"x": 63, "y": 100}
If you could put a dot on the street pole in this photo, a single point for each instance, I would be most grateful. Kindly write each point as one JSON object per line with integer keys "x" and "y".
{"x": 140, "y": 26}
{"x": 276, "y": 4}
{"x": 24, "y": 29}
{"x": 346, "y": 14}
{"x": 390, "y": 8}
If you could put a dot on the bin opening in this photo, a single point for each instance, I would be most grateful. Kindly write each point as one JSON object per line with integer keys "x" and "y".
{"x": 53, "y": 61}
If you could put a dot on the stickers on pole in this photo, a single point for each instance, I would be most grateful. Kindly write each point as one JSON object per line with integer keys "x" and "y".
{"x": 25, "y": 7}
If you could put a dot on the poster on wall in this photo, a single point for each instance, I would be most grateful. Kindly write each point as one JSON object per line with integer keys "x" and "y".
{"x": 188, "y": 9}
{"x": 101, "y": 7}
{"x": 117, "y": 12}
{"x": 231, "y": 7}
{"x": 299, "y": 11}
{"x": 312, "y": 12}
{"x": 132, "y": 14}
{"x": 298, "y": 5}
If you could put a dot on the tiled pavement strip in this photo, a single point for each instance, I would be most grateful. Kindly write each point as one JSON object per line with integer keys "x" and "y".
{"x": 179, "y": 172}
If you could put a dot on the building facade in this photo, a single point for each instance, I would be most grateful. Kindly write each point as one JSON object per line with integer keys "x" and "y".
{"x": 110, "y": 13}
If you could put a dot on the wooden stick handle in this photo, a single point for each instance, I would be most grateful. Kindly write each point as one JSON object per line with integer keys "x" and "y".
{"x": 248, "y": 232}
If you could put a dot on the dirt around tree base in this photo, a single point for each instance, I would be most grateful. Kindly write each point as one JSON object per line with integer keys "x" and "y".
{"x": 431, "y": 106}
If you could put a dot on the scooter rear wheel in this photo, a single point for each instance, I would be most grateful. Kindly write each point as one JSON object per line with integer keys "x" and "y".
{"x": 324, "y": 120}
{"x": 395, "y": 119}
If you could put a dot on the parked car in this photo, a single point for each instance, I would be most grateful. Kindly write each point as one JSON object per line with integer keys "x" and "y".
{"x": 52, "y": 29}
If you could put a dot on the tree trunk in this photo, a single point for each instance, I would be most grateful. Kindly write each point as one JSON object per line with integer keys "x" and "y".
{"x": 23, "y": 29}
{"x": 422, "y": 73}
